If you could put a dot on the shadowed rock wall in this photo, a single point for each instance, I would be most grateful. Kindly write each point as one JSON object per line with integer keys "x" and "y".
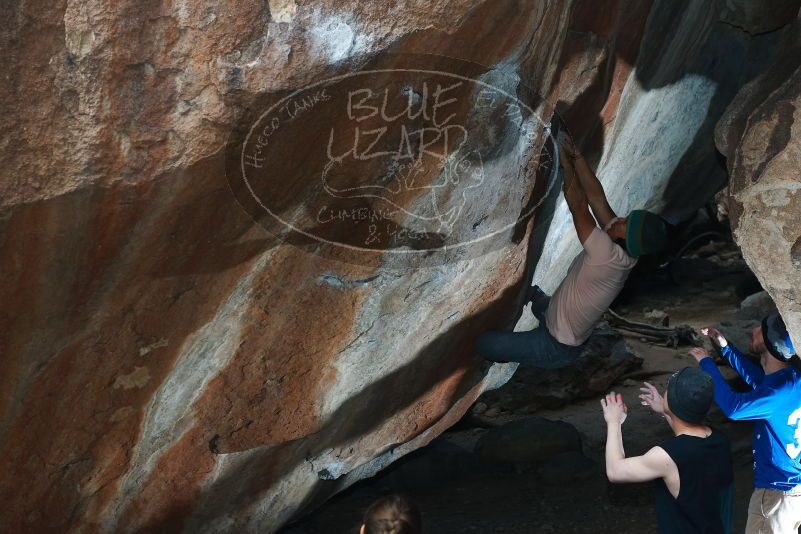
{"x": 167, "y": 363}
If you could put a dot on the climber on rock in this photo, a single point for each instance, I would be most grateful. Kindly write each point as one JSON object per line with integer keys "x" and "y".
{"x": 593, "y": 280}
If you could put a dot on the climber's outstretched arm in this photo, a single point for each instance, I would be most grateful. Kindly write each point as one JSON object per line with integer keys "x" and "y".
{"x": 596, "y": 196}
{"x": 577, "y": 202}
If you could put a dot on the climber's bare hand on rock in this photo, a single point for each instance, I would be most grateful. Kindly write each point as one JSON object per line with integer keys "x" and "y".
{"x": 715, "y": 335}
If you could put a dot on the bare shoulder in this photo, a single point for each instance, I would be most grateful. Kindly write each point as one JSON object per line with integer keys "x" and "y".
{"x": 657, "y": 457}
{"x": 657, "y": 452}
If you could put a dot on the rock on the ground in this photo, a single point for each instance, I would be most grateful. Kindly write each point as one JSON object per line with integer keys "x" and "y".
{"x": 760, "y": 135}
{"x": 756, "y": 306}
{"x": 479, "y": 408}
{"x": 532, "y": 440}
{"x": 657, "y": 317}
{"x": 166, "y": 364}
{"x": 492, "y": 412}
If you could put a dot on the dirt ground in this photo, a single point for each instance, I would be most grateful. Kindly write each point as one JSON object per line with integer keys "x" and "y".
{"x": 459, "y": 495}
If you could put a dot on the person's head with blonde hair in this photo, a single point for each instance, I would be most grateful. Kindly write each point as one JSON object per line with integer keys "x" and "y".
{"x": 392, "y": 515}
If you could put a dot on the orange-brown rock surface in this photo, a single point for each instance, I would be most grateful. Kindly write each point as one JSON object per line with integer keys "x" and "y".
{"x": 172, "y": 360}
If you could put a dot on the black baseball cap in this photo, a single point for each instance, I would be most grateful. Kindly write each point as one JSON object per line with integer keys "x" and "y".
{"x": 690, "y": 394}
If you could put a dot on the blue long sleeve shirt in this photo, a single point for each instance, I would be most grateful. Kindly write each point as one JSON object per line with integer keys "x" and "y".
{"x": 774, "y": 404}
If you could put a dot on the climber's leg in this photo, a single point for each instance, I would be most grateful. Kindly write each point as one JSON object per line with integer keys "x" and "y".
{"x": 536, "y": 348}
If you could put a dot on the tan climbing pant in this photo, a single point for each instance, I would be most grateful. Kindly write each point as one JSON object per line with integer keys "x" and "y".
{"x": 774, "y": 512}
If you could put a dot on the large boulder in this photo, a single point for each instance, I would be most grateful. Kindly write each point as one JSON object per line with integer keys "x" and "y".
{"x": 170, "y": 364}
{"x": 760, "y": 135}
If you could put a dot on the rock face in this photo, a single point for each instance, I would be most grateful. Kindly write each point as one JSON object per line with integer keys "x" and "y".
{"x": 760, "y": 135}
{"x": 167, "y": 363}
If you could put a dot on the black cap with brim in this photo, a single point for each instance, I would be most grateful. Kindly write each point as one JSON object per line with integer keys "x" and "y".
{"x": 690, "y": 394}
